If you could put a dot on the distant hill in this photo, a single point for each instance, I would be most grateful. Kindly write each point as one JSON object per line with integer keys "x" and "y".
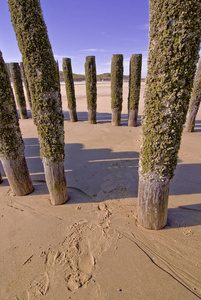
{"x": 101, "y": 77}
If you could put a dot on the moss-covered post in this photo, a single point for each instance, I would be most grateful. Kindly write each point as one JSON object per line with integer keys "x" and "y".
{"x": 174, "y": 39}
{"x": 70, "y": 90}
{"x": 8, "y": 69}
{"x": 18, "y": 88}
{"x": 134, "y": 88}
{"x": 194, "y": 101}
{"x": 91, "y": 89}
{"x": 43, "y": 78}
{"x": 26, "y": 84}
{"x": 11, "y": 143}
{"x": 116, "y": 88}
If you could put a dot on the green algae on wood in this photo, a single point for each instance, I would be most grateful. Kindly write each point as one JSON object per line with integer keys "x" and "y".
{"x": 11, "y": 143}
{"x": 134, "y": 88}
{"x": 26, "y": 84}
{"x": 70, "y": 89}
{"x": 18, "y": 88}
{"x": 174, "y": 39}
{"x": 91, "y": 89}
{"x": 8, "y": 69}
{"x": 43, "y": 78}
{"x": 194, "y": 101}
{"x": 116, "y": 88}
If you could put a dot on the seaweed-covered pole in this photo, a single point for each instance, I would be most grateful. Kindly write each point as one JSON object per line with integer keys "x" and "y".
{"x": 1, "y": 180}
{"x": 26, "y": 84}
{"x": 91, "y": 90}
{"x": 116, "y": 88}
{"x": 70, "y": 90}
{"x": 43, "y": 78}
{"x": 11, "y": 143}
{"x": 8, "y": 69}
{"x": 18, "y": 88}
{"x": 194, "y": 101}
{"x": 173, "y": 53}
{"x": 134, "y": 88}
{"x": 57, "y": 67}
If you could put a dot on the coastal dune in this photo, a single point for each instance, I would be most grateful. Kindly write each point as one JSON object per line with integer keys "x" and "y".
{"x": 92, "y": 247}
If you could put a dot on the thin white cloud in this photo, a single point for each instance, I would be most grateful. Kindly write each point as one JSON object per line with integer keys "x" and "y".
{"x": 130, "y": 40}
{"x": 56, "y": 56}
{"x": 144, "y": 26}
{"x": 92, "y": 50}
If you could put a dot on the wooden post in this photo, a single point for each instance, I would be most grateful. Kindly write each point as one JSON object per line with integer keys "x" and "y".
{"x": 26, "y": 84}
{"x": 43, "y": 78}
{"x": 195, "y": 101}
{"x": 173, "y": 54}
{"x": 11, "y": 143}
{"x": 18, "y": 88}
{"x": 91, "y": 90}
{"x": 1, "y": 179}
{"x": 134, "y": 88}
{"x": 116, "y": 88}
{"x": 70, "y": 90}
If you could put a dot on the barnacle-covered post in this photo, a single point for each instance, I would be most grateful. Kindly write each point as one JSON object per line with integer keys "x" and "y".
{"x": 173, "y": 53}
{"x": 8, "y": 69}
{"x": 134, "y": 88}
{"x": 91, "y": 90}
{"x": 70, "y": 90}
{"x": 26, "y": 84}
{"x": 11, "y": 143}
{"x": 43, "y": 78}
{"x": 116, "y": 88}
{"x": 194, "y": 101}
{"x": 18, "y": 88}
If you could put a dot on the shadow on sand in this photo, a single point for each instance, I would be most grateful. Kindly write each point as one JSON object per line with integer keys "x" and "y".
{"x": 100, "y": 118}
{"x": 101, "y": 174}
{"x": 184, "y": 216}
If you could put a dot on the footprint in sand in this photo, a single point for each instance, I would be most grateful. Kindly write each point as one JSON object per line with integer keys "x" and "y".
{"x": 71, "y": 264}
{"x": 188, "y": 231}
{"x": 38, "y": 287}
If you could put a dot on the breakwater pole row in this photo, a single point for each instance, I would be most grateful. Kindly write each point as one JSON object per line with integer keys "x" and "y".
{"x": 172, "y": 59}
{"x": 18, "y": 88}
{"x": 11, "y": 143}
{"x": 194, "y": 101}
{"x": 116, "y": 88}
{"x": 17, "y": 75}
{"x": 70, "y": 89}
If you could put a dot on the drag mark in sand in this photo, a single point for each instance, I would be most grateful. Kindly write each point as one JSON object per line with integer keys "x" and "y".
{"x": 181, "y": 276}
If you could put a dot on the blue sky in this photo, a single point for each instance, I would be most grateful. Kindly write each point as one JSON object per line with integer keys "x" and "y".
{"x": 78, "y": 28}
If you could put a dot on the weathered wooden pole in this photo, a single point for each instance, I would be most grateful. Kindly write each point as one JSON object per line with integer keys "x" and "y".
{"x": 134, "y": 88}
{"x": 18, "y": 88}
{"x": 8, "y": 69}
{"x": 70, "y": 90}
{"x": 91, "y": 90}
{"x": 43, "y": 78}
{"x": 116, "y": 88}
{"x": 26, "y": 84}
{"x": 173, "y": 53}
{"x": 194, "y": 101}
{"x": 1, "y": 179}
{"x": 11, "y": 143}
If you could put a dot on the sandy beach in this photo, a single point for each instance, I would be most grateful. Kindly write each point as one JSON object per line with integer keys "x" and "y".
{"x": 92, "y": 248}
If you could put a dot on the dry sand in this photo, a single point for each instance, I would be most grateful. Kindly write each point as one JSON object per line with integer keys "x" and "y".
{"x": 92, "y": 247}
